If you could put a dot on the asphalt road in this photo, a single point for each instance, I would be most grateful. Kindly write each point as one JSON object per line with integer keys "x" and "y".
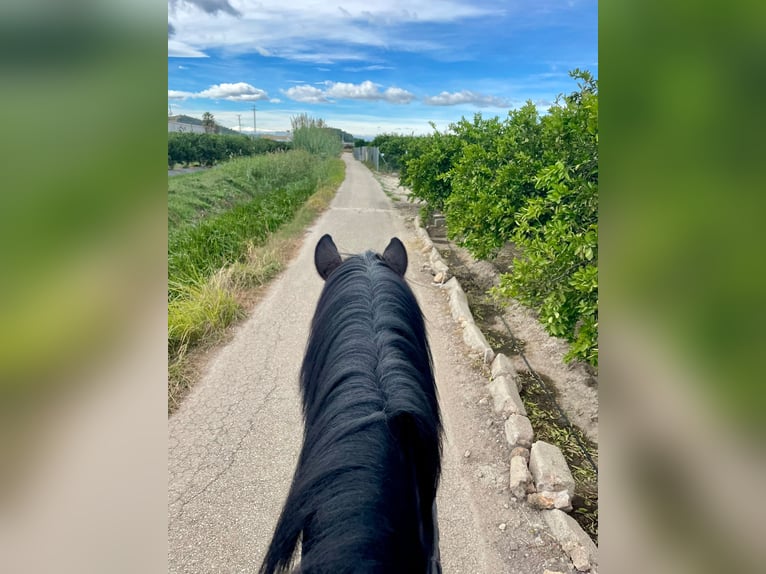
{"x": 234, "y": 442}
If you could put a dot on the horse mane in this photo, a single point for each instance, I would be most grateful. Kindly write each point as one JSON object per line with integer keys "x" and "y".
{"x": 362, "y": 494}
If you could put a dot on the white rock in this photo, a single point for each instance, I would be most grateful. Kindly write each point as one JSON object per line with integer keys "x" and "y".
{"x": 521, "y": 451}
{"x": 520, "y": 477}
{"x": 474, "y": 338}
{"x": 549, "y": 469}
{"x": 505, "y": 395}
{"x": 573, "y": 539}
{"x": 502, "y": 365}
{"x": 547, "y": 500}
{"x": 458, "y": 302}
{"x": 518, "y": 431}
{"x": 440, "y": 267}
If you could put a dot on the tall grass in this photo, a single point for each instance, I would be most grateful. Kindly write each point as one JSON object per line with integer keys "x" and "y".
{"x": 205, "y": 307}
{"x": 195, "y": 196}
{"x": 231, "y": 229}
{"x": 213, "y": 217}
{"x": 314, "y": 136}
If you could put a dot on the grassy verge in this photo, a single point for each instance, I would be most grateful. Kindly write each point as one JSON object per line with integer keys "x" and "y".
{"x": 217, "y": 263}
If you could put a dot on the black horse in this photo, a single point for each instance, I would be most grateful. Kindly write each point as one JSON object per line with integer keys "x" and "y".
{"x": 363, "y": 494}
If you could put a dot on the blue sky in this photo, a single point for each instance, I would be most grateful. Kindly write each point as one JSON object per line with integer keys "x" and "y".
{"x": 374, "y": 66}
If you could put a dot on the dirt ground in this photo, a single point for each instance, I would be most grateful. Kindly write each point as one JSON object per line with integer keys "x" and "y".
{"x": 513, "y": 330}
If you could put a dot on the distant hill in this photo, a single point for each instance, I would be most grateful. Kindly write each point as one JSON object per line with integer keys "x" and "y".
{"x": 278, "y": 135}
{"x": 183, "y": 119}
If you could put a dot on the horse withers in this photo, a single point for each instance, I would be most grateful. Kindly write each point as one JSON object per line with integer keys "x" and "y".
{"x": 363, "y": 494}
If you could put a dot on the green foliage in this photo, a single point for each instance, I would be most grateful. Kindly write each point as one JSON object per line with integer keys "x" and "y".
{"x": 558, "y": 230}
{"x": 558, "y": 272}
{"x": 427, "y": 171}
{"x": 209, "y": 122}
{"x": 209, "y": 149}
{"x": 533, "y": 181}
{"x": 492, "y": 178}
{"x": 201, "y": 309}
{"x": 220, "y": 241}
{"x": 213, "y": 216}
{"x": 394, "y": 148}
{"x": 314, "y": 136}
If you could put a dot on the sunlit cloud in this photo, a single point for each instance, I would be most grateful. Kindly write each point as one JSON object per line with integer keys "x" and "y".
{"x": 466, "y": 97}
{"x": 239, "y": 92}
{"x": 177, "y": 49}
{"x": 306, "y": 94}
{"x": 366, "y": 90}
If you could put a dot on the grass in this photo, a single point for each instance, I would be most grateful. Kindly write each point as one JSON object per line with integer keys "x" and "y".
{"x": 219, "y": 263}
{"x": 195, "y": 196}
{"x": 212, "y": 217}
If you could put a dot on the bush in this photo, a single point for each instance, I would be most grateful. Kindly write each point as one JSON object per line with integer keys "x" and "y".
{"x": 427, "y": 172}
{"x": 209, "y": 149}
{"x": 394, "y": 148}
{"x": 531, "y": 181}
{"x": 558, "y": 229}
{"x": 491, "y": 178}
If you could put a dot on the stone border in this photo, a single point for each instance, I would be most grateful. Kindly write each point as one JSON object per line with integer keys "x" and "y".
{"x": 538, "y": 471}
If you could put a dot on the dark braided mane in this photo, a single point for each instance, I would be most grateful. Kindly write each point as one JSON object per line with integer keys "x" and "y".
{"x": 363, "y": 491}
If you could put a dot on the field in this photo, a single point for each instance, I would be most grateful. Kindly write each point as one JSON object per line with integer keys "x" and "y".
{"x": 229, "y": 231}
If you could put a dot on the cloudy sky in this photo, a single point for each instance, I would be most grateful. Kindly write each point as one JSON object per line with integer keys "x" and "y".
{"x": 373, "y": 66}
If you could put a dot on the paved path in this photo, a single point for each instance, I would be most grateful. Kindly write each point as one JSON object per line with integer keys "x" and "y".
{"x": 234, "y": 442}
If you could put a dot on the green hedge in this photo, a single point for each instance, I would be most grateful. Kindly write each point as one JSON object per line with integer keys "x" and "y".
{"x": 530, "y": 180}
{"x": 209, "y": 149}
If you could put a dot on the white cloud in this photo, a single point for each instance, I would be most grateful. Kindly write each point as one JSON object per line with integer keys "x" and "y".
{"x": 372, "y": 68}
{"x": 366, "y": 90}
{"x": 178, "y": 49}
{"x": 178, "y": 95}
{"x": 275, "y": 101}
{"x": 318, "y": 32}
{"x": 398, "y": 96}
{"x": 466, "y": 97}
{"x": 239, "y": 92}
{"x": 306, "y": 94}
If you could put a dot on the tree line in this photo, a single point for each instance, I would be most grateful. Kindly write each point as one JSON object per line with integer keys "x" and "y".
{"x": 208, "y": 149}
{"x": 530, "y": 180}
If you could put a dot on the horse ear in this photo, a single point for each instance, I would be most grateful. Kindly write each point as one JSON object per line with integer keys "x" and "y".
{"x": 326, "y": 256}
{"x": 396, "y": 256}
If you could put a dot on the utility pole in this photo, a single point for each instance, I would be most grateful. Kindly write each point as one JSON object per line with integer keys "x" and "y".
{"x": 239, "y": 119}
{"x": 255, "y": 131}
